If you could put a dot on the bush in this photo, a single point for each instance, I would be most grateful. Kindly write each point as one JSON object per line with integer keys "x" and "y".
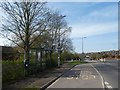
{"x": 12, "y": 70}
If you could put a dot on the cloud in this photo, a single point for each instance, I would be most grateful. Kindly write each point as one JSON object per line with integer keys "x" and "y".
{"x": 90, "y": 29}
{"x": 96, "y": 22}
{"x": 102, "y": 14}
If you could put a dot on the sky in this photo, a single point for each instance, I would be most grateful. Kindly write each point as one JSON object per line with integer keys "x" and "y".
{"x": 97, "y": 21}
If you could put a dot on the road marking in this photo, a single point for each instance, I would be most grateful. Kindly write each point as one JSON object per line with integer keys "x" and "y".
{"x": 91, "y": 76}
{"x": 76, "y": 77}
{"x": 108, "y": 85}
{"x": 87, "y": 72}
{"x": 53, "y": 83}
{"x": 69, "y": 77}
{"x": 58, "y": 79}
{"x": 100, "y": 76}
{"x": 85, "y": 77}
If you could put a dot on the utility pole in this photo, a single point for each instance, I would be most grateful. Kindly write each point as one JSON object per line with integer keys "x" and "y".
{"x": 83, "y": 47}
{"x": 59, "y": 47}
{"x": 59, "y": 50}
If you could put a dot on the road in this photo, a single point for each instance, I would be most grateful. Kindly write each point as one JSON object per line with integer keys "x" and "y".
{"x": 92, "y": 75}
{"x": 109, "y": 71}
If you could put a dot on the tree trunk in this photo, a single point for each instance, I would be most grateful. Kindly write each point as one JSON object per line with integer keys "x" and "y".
{"x": 46, "y": 55}
{"x": 27, "y": 55}
{"x": 41, "y": 61}
{"x": 26, "y": 60}
{"x": 50, "y": 58}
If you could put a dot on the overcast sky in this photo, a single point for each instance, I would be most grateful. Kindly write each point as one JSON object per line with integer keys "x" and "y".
{"x": 98, "y": 21}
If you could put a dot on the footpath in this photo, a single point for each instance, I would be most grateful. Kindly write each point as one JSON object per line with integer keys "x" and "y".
{"x": 39, "y": 81}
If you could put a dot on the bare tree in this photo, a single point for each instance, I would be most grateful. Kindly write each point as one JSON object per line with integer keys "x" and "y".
{"x": 56, "y": 36}
{"x": 58, "y": 30}
{"x": 29, "y": 24}
{"x": 23, "y": 21}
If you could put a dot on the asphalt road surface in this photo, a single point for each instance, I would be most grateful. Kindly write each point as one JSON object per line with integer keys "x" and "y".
{"x": 109, "y": 71}
{"x": 92, "y": 75}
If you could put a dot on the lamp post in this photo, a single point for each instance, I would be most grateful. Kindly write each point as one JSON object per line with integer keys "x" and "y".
{"x": 83, "y": 46}
{"x": 59, "y": 47}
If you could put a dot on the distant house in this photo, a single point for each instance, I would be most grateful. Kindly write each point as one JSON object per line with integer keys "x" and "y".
{"x": 87, "y": 57}
{"x": 7, "y": 53}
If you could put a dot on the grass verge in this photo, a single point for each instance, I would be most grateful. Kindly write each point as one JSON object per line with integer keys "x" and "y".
{"x": 76, "y": 62}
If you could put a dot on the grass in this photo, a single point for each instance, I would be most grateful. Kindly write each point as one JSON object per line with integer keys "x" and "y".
{"x": 76, "y": 62}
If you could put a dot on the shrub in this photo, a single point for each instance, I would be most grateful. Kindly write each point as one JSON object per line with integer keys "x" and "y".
{"x": 12, "y": 70}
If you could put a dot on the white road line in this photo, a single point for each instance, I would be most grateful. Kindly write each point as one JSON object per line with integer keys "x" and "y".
{"x": 76, "y": 77}
{"x": 53, "y": 83}
{"x": 91, "y": 76}
{"x": 69, "y": 77}
{"x": 108, "y": 85}
{"x": 57, "y": 80}
{"x": 100, "y": 76}
{"x": 85, "y": 77}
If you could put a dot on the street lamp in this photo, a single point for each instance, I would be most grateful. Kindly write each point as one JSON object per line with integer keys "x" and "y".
{"x": 59, "y": 47}
{"x": 83, "y": 46}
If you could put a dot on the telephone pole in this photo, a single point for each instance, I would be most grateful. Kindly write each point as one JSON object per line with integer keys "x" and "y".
{"x": 83, "y": 47}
